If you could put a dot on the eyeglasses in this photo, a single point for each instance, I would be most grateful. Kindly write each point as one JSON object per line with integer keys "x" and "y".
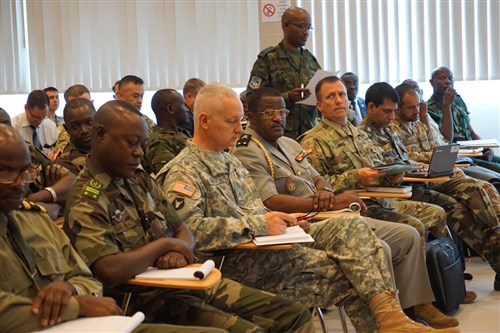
{"x": 310, "y": 214}
{"x": 283, "y": 113}
{"x": 34, "y": 117}
{"x": 302, "y": 26}
{"x": 27, "y": 176}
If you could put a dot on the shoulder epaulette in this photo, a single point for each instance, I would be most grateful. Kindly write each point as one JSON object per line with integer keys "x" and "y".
{"x": 265, "y": 51}
{"x": 244, "y": 141}
{"x": 28, "y": 205}
{"x": 92, "y": 189}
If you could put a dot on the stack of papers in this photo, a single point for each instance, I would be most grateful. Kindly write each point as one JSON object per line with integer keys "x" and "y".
{"x": 484, "y": 143}
{"x": 396, "y": 168}
{"x": 470, "y": 151}
{"x": 293, "y": 234}
{"x": 185, "y": 273}
{"x": 108, "y": 324}
{"x": 389, "y": 189}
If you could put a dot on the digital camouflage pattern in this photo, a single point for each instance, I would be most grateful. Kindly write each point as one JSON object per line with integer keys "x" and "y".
{"x": 215, "y": 196}
{"x": 459, "y": 112}
{"x": 276, "y": 68}
{"x": 162, "y": 147}
{"x": 106, "y": 216}
{"x": 72, "y": 158}
{"x": 480, "y": 202}
{"x": 337, "y": 152}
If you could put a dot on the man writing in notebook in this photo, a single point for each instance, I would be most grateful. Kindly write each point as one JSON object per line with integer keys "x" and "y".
{"x": 44, "y": 280}
{"x": 287, "y": 182}
{"x": 214, "y": 194}
{"x": 120, "y": 225}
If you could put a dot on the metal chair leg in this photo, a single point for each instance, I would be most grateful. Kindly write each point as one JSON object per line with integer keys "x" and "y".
{"x": 321, "y": 319}
{"x": 342, "y": 317}
{"x": 126, "y": 302}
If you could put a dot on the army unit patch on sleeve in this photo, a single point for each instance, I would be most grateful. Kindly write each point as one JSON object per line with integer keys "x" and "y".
{"x": 255, "y": 82}
{"x": 183, "y": 188}
{"x": 92, "y": 189}
{"x": 303, "y": 153}
{"x": 178, "y": 203}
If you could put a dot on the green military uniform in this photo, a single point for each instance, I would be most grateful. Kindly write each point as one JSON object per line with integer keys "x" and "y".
{"x": 105, "y": 216}
{"x": 72, "y": 158}
{"x": 214, "y": 194}
{"x": 337, "y": 152}
{"x": 479, "y": 227}
{"x": 461, "y": 122}
{"x": 285, "y": 170}
{"x": 56, "y": 260}
{"x": 163, "y": 146}
{"x": 276, "y": 67}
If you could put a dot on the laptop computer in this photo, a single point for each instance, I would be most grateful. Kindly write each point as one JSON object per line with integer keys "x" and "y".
{"x": 442, "y": 162}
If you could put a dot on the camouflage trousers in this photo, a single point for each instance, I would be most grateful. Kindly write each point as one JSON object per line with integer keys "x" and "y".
{"x": 420, "y": 215}
{"x": 345, "y": 265}
{"x": 228, "y": 305}
{"x": 481, "y": 173}
{"x": 476, "y": 220}
{"x": 167, "y": 328}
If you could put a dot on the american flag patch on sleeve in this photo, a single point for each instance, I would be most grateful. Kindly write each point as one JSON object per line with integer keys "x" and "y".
{"x": 184, "y": 188}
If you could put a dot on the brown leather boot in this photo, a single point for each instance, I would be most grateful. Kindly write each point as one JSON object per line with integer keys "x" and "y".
{"x": 435, "y": 318}
{"x": 391, "y": 319}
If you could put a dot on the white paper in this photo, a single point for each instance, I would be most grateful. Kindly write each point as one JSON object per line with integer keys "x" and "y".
{"x": 185, "y": 273}
{"x": 293, "y": 234}
{"x": 320, "y": 74}
{"x": 485, "y": 143}
{"x": 389, "y": 189}
{"x": 108, "y": 324}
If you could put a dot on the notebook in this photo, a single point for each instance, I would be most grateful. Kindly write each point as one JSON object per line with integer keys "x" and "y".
{"x": 442, "y": 162}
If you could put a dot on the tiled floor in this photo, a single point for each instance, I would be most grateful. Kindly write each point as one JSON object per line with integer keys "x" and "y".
{"x": 482, "y": 316}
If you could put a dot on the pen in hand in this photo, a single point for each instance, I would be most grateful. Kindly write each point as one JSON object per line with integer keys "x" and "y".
{"x": 302, "y": 93}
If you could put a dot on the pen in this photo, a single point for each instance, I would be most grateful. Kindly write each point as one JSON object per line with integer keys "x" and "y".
{"x": 302, "y": 93}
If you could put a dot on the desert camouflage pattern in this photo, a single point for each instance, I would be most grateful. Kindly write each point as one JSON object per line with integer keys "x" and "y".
{"x": 72, "y": 158}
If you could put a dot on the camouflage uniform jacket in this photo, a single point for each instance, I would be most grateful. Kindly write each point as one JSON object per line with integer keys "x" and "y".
{"x": 105, "y": 216}
{"x": 459, "y": 112}
{"x": 416, "y": 137}
{"x": 393, "y": 150}
{"x": 55, "y": 259}
{"x": 276, "y": 68}
{"x": 163, "y": 146}
{"x": 72, "y": 158}
{"x": 290, "y": 172}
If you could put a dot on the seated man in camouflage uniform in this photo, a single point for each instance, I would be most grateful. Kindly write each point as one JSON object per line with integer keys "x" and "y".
{"x": 287, "y": 182}
{"x": 479, "y": 228}
{"x": 44, "y": 280}
{"x": 189, "y": 92}
{"x": 344, "y": 156}
{"x": 215, "y": 195}
{"x": 78, "y": 118}
{"x": 120, "y": 225}
{"x": 167, "y": 139}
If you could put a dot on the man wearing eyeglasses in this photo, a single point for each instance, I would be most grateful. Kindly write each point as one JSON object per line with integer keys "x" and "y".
{"x": 288, "y": 67}
{"x": 33, "y": 124}
{"x": 287, "y": 182}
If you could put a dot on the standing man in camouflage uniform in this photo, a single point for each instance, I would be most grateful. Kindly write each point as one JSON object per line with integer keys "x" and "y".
{"x": 287, "y": 182}
{"x": 479, "y": 229}
{"x": 120, "y": 225}
{"x": 288, "y": 67}
{"x": 449, "y": 111}
{"x": 167, "y": 139}
{"x": 345, "y": 156}
{"x": 49, "y": 281}
{"x": 215, "y": 195}
{"x": 78, "y": 119}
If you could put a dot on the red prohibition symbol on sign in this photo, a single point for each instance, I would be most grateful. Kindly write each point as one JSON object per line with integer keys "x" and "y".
{"x": 269, "y": 10}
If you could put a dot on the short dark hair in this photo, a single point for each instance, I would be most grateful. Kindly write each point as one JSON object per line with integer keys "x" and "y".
{"x": 255, "y": 97}
{"x": 114, "y": 85}
{"x": 76, "y": 103}
{"x": 192, "y": 86}
{"x": 402, "y": 90}
{"x": 328, "y": 79}
{"x": 38, "y": 98}
{"x": 380, "y": 91}
{"x": 161, "y": 99}
{"x": 76, "y": 90}
{"x": 50, "y": 89}
{"x": 130, "y": 79}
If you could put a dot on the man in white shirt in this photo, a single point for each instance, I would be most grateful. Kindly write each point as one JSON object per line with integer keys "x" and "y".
{"x": 33, "y": 124}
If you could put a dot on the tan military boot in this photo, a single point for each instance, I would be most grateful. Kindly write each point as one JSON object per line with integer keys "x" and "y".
{"x": 391, "y": 319}
{"x": 434, "y": 317}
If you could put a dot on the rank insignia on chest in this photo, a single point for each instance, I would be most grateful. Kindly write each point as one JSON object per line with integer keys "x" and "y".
{"x": 184, "y": 188}
{"x": 255, "y": 82}
{"x": 290, "y": 185}
{"x": 244, "y": 140}
{"x": 118, "y": 215}
{"x": 178, "y": 203}
{"x": 92, "y": 189}
{"x": 303, "y": 153}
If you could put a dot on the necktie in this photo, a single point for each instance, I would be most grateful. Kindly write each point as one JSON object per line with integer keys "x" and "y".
{"x": 19, "y": 245}
{"x": 35, "y": 139}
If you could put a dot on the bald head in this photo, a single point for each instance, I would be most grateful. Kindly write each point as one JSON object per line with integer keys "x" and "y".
{"x": 292, "y": 13}
{"x": 5, "y": 118}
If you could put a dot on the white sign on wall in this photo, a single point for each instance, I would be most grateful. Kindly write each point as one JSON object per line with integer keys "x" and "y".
{"x": 272, "y": 10}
